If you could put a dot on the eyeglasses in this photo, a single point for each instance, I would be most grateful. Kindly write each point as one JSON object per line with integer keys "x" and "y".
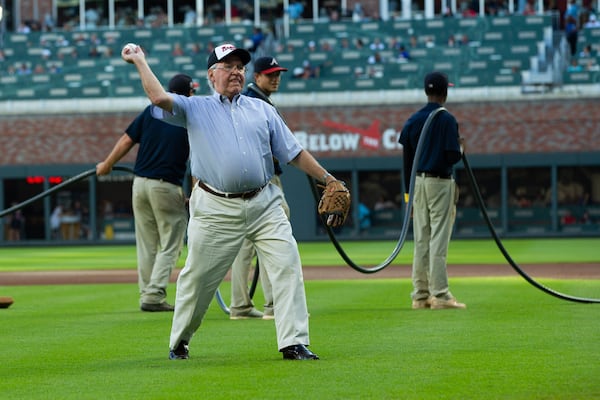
{"x": 229, "y": 68}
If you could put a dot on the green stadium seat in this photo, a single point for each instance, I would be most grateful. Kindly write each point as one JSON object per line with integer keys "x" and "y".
{"x": 352, "y": 55}
{"x": 174, "y": 34}
{"x": 330, "y": 84}
{"x": 93, "y": 91}
{"x": 341, "y": 70}
{"x": 86, "y": 63}
{"x": 40, "y": 78}
{"x": 286, "y": 58}
{"x": 26, "y": 93}
{"x": 126, "y": 91}
{"x": 59, "y": 92}
{"x": 584, "y": 77}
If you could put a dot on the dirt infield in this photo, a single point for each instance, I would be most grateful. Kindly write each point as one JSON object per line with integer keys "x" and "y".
{"x": 562, "y": 271}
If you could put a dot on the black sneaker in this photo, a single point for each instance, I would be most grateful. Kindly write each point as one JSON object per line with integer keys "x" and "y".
{"x": 157, "y": 307}
{"x": 181, "y": 352}
{"x": 298, "y": 352}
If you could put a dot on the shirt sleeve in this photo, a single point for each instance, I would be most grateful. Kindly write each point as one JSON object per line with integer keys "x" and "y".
{"x": 284, "y": 145}
{"x": 177, "y": 116}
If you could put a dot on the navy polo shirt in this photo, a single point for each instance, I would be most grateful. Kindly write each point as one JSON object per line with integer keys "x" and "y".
{"x": 441, "y": 149}
{"x": 163, "y": 148}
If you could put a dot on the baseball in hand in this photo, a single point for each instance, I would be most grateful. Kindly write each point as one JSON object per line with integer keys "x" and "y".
{"x": 129, "y": 48}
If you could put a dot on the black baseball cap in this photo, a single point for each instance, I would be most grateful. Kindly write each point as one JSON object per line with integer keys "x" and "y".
{"x": 436, "y": 83}
{"x": 224, "y": 50}
{"x": 267, "y": 65}
{"x": 182, "y": 84}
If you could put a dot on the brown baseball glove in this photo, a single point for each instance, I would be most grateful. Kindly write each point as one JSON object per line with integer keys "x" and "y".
{"x": 335, "y": 203}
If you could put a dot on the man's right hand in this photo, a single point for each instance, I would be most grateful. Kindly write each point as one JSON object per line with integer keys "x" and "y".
{"x": 131, "y": 52}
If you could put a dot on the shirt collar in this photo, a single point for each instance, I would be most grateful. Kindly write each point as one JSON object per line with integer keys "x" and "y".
{"x": 223, "y": 99}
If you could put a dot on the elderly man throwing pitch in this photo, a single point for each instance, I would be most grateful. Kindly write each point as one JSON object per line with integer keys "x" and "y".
{"x": 233, "y": 140}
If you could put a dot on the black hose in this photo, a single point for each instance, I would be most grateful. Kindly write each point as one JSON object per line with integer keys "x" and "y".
{"x": 513, "y": 264}
{"x": 53, "y": 189}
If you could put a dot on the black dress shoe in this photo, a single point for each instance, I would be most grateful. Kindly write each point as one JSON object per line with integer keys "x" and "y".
{"x": 181, "y": 352}
{"x": 298, "y": 352}
{"x": 164, "y": 306}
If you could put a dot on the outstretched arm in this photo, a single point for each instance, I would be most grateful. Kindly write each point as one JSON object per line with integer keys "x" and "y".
{"x": 133, "y": 54}
{"x": 121, "y": 148}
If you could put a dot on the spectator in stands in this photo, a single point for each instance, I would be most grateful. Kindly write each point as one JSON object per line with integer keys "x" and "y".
{"x": 377, "y": 45}
{"x": 95, "y": 39}
{"x": 359, "y": 44}
{"x": 429, "y": 42}
{"x": 94, "y": 52}
{"x": 383, "y": 203}
{"x": 189, "y": 18}
{"x": 414, "y": 43}
{"x": 24, "y": 28}
{"x": 257, "y": 38}
{"x": 195, "y": 49}
{"x": 586, "y": 219}
{"x": 54, "y": 69}
{"x": 344, "y": 44}
{"x": 364, "y": 216}
{"x": 592, "y": 22}
{"x": 529, "y": 8}
{"x": 24, "y": 69}
{"x": 574, "y": 66}
{"x": 55, "y": 221}
{"x": 326, "y": 46}
{"x": 309, "y": 71}
{"x": 48, "y": 23}
{"x": 452, "y": 41}
{"x": 467, "y": 10}
{"x": 375, "y": 58}
{"x": 295, "y": 10}
{"x": 16, "y": 225}
{"x": 39, "y": 69}
{"x": 586, "y": 52}
{"x": 358, "y": 13}
{"x": 568, "y": 218}
{"x": 591, "y": 65}
{"x": 2, "y": 55}
{"x": 177, "y": 50}
{"x": 92, "y": 17}
{"x": 571, "y": 18}
{"x": 403, "y": 54}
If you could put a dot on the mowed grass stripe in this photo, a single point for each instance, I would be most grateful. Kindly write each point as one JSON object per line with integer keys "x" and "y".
{"x": 366, "y": 253}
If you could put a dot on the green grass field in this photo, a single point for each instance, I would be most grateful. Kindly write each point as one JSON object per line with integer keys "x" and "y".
{"x": 513, "y": 342}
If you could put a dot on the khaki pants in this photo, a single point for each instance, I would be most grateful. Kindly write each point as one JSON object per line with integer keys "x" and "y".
{"x": 216, "y": 231}
{"x": 160, "y": 223}
{"x": 434, "y": 211}
{"x": 240, "y": 271}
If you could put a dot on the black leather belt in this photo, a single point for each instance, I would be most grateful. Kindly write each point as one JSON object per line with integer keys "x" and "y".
{"x": 241, "y": 195}
{"x": 432, "y": 175}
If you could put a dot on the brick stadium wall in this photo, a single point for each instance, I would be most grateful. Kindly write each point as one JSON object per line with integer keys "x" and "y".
{"x": 490, "y": 128}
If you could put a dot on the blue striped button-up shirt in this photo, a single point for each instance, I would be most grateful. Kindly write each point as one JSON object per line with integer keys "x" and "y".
{"x": 232, "y": 144}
